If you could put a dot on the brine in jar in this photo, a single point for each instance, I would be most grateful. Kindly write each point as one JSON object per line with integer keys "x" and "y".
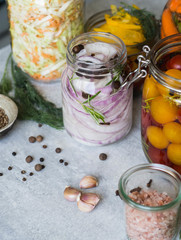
{"x": 161, "y": 104}
{"x": 97, "y": 110}
{"x": 40, "y": 32}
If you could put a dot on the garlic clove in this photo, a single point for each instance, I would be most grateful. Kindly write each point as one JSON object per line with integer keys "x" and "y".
{"x": 86, "y": 202}
{"x": 88, "y": 182}
{"x": 71, "y": 194}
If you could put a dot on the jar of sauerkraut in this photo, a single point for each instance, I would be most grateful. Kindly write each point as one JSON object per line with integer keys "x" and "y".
{"x": 161, "y": 104}
{"x": 40, "y": 32}
{"x": 97, "y": 101}
{"x": 152, "y": 197}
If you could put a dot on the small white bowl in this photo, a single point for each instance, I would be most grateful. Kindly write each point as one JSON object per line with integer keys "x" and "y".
{"x": 11, "y": 110}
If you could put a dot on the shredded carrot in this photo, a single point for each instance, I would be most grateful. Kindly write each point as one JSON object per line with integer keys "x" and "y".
{"x": 45, "y": 55}
{"x": 178, "y": 10}
{"x": 173, "y": 4}
{"x": 168, "y": 25}
{"x": 12, "y": 24}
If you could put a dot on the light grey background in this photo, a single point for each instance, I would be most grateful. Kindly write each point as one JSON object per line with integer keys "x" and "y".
{"x": 36, "y": 209}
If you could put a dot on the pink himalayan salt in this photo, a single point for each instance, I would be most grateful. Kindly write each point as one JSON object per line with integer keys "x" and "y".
{"x": 144, "y": 225}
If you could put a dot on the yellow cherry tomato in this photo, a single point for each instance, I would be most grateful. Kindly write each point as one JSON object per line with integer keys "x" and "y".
{"x": 172, "y": 132}
{"x": 150, "y": 89}
{"x": 175, "y": 73}
{"x": 156, "y": 137}
{"x": 163, "y": 110}
{"x": 174, "y": 153}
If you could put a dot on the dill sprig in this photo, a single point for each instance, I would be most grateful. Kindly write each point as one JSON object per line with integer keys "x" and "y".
{"x": 31, "y": 105}
{"x": 96, "y": 116}
{"x": 146, "y": 18}
{"x": 117, "y": 73}
{"x": 147, "y": 104}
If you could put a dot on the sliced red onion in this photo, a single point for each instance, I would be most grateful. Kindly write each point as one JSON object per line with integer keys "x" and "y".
{"x": 100, "y": 47}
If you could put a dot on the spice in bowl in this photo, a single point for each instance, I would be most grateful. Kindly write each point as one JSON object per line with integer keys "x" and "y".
{"x": 4, "y": 120}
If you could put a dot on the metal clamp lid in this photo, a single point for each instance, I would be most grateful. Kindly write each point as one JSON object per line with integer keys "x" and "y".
{"x": 140, "y": 71}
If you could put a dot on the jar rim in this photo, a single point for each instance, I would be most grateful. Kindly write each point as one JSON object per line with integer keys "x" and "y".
{"x": 121, "y": 55}
{"x": 158, "y": 74}
{"x": 153, "y": 166}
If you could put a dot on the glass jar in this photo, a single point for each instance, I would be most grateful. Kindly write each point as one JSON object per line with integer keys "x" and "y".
{"x": 170, "y": 20}
{"x": 40, "y": 32}
{"x": 98, "y": 19}
{"x": 97, "y": 110}
{"x": 161, "y": 104}
{"x": 152, "y": 196}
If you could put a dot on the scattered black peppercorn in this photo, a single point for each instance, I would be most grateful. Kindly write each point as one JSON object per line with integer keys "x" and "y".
{"x": 149, "y": 183}
{"x": 14, "y": 153}
{"x": 44, "y": 146}
{"x": 105, "y": 123}
{"x": 138, "y": 189}
{"x": 23, "y": 172}
{"x": 76, "y": 49}
{"x": 29, "y": 159}
{"x": 31, "y": 173}
{"x": 24, "y": 179}
{"x": 39, "y": 138}
{"x": 117, "y": 193}
{"x": 39, "y": 167}
{"x": 42, "y": 159}
{"x": 85, "y": 95}
{"x": 1, "y": 174}
{"x": 10, "y": 168}
{"x": 58, "y": 150}
{"x": 65, "y": 163}
{"x": 61, "y": 160}
{"x": 32, "y": 139}
{"x": 103, "y": 156}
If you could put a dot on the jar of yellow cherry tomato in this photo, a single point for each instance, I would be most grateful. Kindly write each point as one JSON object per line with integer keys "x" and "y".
{"x": 161, "y": 104}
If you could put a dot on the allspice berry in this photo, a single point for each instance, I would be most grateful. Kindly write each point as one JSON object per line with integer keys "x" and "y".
{"x": 39, "y": 167}
{"x": 32, "y": 139}
{"x": 29, "y": 159}
{"x": 39, "y": 138}
{"x": 103, "y": 156}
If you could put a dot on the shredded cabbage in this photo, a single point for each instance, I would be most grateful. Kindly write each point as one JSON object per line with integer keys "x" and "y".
{"x": 40, "y": 32}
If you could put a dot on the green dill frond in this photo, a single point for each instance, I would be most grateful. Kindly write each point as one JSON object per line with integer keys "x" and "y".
{"x": 146, "y": 18}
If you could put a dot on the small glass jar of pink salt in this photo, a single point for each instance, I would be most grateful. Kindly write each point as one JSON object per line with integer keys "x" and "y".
{"x": 152, "y": 196}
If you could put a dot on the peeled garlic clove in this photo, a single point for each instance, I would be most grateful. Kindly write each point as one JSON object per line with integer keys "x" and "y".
{"x": 88, "y": 182}
{"x": 71, "y": 194}
{"x": 86, "y": 202}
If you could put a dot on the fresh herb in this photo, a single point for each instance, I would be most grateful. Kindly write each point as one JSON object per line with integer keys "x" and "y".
{"x": 71, "y": 84}
{"x": 147, "y": 104}
{"x": 96, "y": 116}
{"x": 146, "y": 18}
{"x": 90, "y": 98}
{"x": 117, "y": 73}
{"x": 31, "y": 105}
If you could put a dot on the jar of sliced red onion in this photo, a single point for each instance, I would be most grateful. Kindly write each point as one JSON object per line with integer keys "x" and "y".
{"x": 152, "y": 196}
{"x": 97, "y": 109}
